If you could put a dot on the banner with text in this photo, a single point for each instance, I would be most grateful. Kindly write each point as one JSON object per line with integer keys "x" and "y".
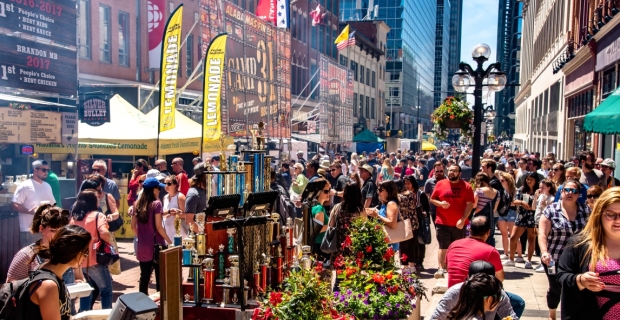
{"x": 336, "y": 102}
{"x": 170, "y": 69}
{"x": 212, "y": 91}
{"x": 156, "y": 23}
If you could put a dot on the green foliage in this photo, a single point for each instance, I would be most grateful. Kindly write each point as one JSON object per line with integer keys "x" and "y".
{"x": 453, "y": 109}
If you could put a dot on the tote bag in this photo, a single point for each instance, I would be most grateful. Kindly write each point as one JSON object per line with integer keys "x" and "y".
{"x": 402, "y": 232}
{"x": 330, "y": 241}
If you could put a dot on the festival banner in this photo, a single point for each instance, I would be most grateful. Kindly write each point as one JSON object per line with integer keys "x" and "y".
{"x": 336, "y": 97}
{"x": 156, "y": 15}
{"x": 169, "y": 69}
{"x": 212, "y": 91}
{"x": 266, "y": 10}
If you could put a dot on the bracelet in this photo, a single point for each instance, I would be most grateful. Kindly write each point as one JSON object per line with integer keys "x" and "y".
{"x": 579, "y": 278}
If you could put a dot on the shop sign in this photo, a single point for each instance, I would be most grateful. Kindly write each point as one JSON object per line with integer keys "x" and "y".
{"x": 608, "y": 54}
{"x": 69, "y": 130}
{"x": 95, "y": 111}
{"x": 29, "y": 126}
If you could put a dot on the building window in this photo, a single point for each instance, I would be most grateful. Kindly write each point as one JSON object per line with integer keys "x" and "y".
{"x": 373, "y": 79}
{"x": 105, "y": 33}
{"x": 344, "y": 61}
{"x": 368, "y": 106}
{"x": 355, "y": 104}
{"x": 372, "y": 108}
{"x": 354, "y": 69}
{"x": 123, "y": 38}
{"x": 361, "y": 105}
{"x": 362, "y": 74}
{"x": 609, "y": 82}
{"x": 394, "y": 76}
{"x": 84, "y": 29}
{"x": 394, "y": 92}
{"x": 367, "y": 77}
{"x": 189, "y": 57}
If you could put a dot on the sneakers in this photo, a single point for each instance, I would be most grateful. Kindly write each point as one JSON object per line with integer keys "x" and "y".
{"x": 540, "y": 269}
{"x": 519, "y": 260}
{"x": 439, "y": 273}
{"x": 505, "y": 257}
{"x": 509, "y": 263}
{"x": 528, "y": 265}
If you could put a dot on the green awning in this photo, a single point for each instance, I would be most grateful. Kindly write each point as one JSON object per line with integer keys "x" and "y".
{"x": 605, "y": 118}
{"x": 367, "y": 136}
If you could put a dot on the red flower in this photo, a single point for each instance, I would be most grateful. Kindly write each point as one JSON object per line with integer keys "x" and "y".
{"x": 386, "y": 239}
{"x": 377, "y": 227}
{"x": 347, "y": 242}
{"x": 360, "y": 255}
{"x": 319, "y": 267}
{"x": 275, "y": 298}
{"x": 377, "y": 278}
{"x": 412, "y": 290}
{"x": 388, "y": 254}
{"x": 369, "y": 249}
{"x": 358, "y": 261}
{"x": 403, "y": 257}
{"x": 339, "y": 262}
{"x": 267, "y": 314}
{"x": 256, "y": 314}
{"x": 388, "y": 275}
{"x": 452, "y": 117}
{"x": 349, "y": 272}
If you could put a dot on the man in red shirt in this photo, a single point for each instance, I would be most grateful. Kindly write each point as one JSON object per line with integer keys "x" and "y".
{"x": 177, "y": 168}
{"x": 454, "y": 200}
{"x": 462, "y": 253}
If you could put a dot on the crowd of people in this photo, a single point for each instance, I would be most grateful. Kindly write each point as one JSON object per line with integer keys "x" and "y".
{"x": 564, "y": 212}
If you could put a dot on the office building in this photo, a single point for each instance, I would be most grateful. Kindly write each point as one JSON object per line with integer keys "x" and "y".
{"x": 442, "y": 53}
{"x": 456, "y": 25}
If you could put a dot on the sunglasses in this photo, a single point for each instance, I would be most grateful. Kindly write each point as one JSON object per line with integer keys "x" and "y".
{"x": 439, "y": 171}
{"x": 43, "y": 169}
{"x": 498, "y": 298}
{"x": 380, "y": 189}
{"x": 169, "y": 183}
{"x": 611, "y": 216}
{"x": 557, "y": 169}
{"x": 571, "y": 190}
{"x": 332, "y": 170}
{"x": 326, "y": 191}
{"x": 99, "y": 191}
{"x": 97, "y": 170}
{"x": 592, "y": 196}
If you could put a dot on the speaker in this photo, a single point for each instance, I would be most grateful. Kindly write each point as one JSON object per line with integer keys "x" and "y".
{"x": 134, "y": 306}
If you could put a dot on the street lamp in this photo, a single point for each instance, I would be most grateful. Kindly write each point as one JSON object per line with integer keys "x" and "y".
{"x": 495, "y": 81}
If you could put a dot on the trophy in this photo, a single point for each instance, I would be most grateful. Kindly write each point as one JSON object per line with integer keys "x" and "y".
{"x": 223, "y": 164}
{"x": 177, "y": 230}
{"x": 263, "y": 272}
{"x": 234, "y": 270}
{"x": 231, "y": 240}
{"x": 220, "y": 271}
{"x": 201, "y": 238}
{"x": 208, "y": 274}
{"x": 256, "y": 276}
{"x": 188, "y": 245}
{"x": 290, "y": 228}
{"x": 279, "y": 267}
{"x": 306, "y": 260}
{"x": 226, "y": 293}
{"x": 273, "y": 230}
{"x": 234, "y": 298}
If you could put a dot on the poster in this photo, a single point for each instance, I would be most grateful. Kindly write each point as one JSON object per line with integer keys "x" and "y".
{"x": 29, "y": 126}
{"x": 336, "y": 102}
{"x": 69, "y": 130}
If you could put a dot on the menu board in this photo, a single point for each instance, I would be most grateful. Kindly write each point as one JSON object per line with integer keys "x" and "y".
{"x": 29, "y": 126}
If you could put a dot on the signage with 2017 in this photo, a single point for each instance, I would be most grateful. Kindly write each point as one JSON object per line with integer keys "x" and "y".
{"x": 49, "y": 19}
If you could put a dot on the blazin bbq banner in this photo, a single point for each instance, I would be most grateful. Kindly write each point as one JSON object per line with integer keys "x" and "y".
{"x": 213, "y": 73}
{"x": 169, "y": 69}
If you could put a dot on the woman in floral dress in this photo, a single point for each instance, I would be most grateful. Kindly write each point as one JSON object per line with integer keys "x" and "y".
{"x": 342, "y": 214}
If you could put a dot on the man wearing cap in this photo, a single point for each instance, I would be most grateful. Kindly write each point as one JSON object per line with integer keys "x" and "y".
{"x": 608, "y": 166}
{"x": 369, "y": 189}
{"x": 196, "y": 200}
{"x": 177, "y": 168}
{"x": 28, "y": 196}
{"x": 162, "y": 166}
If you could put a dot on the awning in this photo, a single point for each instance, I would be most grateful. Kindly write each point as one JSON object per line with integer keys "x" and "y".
{"x": 427, "y": 146}
{"x": 366, "y": 136}
{"x": 606, "y": 117}
{"x": 184, "y": 138}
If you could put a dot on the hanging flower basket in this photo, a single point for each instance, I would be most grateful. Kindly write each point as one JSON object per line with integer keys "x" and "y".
{"x": 453, "y": 113}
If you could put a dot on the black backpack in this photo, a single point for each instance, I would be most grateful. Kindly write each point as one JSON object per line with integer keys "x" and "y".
{"x": 13, "y": 294}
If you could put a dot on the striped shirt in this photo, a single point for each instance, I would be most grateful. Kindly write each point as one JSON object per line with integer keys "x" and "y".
{"x": 561, "y": 228}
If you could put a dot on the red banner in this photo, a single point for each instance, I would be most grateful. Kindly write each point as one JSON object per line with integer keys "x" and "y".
{"x": 156, "y": 24}
{"x": 266, "y": 10}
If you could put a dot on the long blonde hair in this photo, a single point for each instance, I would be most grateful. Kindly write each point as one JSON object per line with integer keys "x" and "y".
{"x": 512, "y": 188}
{"x": 388, "y": 164}
{"x": 593, "y": 234}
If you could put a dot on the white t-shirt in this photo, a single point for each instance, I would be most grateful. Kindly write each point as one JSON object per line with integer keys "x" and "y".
{"x": 30, "y": 194}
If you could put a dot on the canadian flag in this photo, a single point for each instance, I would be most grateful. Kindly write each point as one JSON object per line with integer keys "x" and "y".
{"x": 156, "y": 24}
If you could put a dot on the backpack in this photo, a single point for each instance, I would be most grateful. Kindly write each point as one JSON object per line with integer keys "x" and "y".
{"x": 13, "y": 294}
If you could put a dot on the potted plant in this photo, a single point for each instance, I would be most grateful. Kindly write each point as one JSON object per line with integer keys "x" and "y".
{"x": 453, "y": 113}
{"x": 491, "y": 138}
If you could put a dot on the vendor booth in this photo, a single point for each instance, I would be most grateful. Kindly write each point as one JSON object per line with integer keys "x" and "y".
{"x": 368, "y": 141}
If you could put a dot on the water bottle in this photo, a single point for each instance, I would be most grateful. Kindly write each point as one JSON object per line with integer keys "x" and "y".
{"x": 551, "y": 268}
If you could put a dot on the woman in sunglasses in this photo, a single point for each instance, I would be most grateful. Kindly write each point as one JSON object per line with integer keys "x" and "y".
{"x": 593, "y": 193}
{"x": 558, "y": 222}
{"x": 479, "y": 294}
{"x": 137, "y": 177}
{"x": 174, "y": 206}
{"x": 559, "y": 174}
{"x": 320, "y": 216}
{"x": 588, "y": 266}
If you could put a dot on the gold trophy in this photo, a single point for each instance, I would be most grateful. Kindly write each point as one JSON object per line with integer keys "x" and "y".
{"x": 223, "y": 163}
{"x": 177, "y": 229}
{"x": 201, "y": 237}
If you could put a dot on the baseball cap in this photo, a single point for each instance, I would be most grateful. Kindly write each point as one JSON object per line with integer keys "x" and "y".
{"x": 197, "y": 159}
{"x": 215, "y": 158}
{"x": 481, "y": 266}
{"x": 367, "y": 168}
{"x": 154, "y": 173}
{"x": 609, "y": 163}
{"x": 152, "y": 183}
{"x": 38, "y": 163}
{"x": 198, "y": 170}
{"x": 300, "y": 152}
{"x": 324, "y": 164}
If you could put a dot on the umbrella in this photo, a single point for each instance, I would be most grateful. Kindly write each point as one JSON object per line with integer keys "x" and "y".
{"x": 428, "y": 146}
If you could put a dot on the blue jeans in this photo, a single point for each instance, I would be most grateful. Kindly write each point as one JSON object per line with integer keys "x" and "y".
{"x": 100, "y": 275}
{"x": 69, "y": 278}
{"x": 517, "y": 303}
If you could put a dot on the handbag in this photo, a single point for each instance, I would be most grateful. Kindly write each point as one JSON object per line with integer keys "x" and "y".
{"x": 330, "y": 241}
{"x": 401, "y": 232}
{"x": 104, "y": 251}
{"x": 424, "y": 230}
{"x": 113, "y": 225}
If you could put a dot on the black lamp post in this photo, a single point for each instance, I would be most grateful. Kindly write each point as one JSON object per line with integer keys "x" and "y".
{"x": 495, "y": 81}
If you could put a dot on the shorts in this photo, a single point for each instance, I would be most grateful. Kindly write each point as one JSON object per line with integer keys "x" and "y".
{"x": 446, "y": 235}
{"x": 525, "y": 219}
{"x": 510, "y": 217}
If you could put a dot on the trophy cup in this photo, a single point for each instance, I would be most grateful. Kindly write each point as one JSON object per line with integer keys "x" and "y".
{"x": 231, "y": 240}
{"x": 220, "y": 271}
{"x": 208, "y": 273}
{"x": 225, "y": 293}
{"x": 223, "y": 164}
{"x": 201, "y": 238}
{"x": 279, "y": 267}
{"x": 306, "y": 260}
{"x": 263, "y": 272}
{"x": 234, "y": 270}
{"x": 273, "y": 229}
{"x": 188, "y": 245}
{"x": 246, "y": 290}
{"x": 177, "y": 229}
{"x": 234, "y": 298}
{"x": 290, "y": 236}
{"x": 256, "y": 276}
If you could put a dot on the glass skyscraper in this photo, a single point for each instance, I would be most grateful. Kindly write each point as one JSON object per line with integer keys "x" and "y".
{"x": 442, "y": 53}
{"x": 410, "y": 55}
{"x": 456, "y": 25}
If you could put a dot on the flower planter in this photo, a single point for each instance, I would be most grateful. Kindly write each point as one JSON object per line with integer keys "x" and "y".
{"x": 416, "y": 315}
{"x": 452, "y": 124}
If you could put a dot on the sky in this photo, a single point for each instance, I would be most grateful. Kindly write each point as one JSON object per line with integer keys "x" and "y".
{"x": 479, "y": 26}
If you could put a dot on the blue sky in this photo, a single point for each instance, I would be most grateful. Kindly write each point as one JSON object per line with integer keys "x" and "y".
{"x": 479, "y": 26}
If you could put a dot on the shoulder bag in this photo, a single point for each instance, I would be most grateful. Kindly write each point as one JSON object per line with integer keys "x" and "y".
{"x": 114, "y": 224}
{"x": 105, "y": 252}
{"x": 330, "y": 241}
{"x": 401, "y": 232}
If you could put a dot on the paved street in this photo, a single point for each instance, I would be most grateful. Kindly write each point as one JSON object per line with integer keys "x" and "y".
{"x": 531, "y": 286}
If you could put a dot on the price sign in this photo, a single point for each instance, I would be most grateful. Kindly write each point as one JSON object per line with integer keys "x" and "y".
{"x": 29, "y": 126}
{"x": 53, "y": 20}
{"x": 35, "y": 66}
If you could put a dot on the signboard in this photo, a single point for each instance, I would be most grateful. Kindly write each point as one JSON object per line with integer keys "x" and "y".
{"x": 36, "y": 66}
{"x": 336, "y": 97}
{"x": 29, "y": 126}
{"x": 53, "y": 20}
{"x": 95, "y": 111}
{"x": 69, "y": 130}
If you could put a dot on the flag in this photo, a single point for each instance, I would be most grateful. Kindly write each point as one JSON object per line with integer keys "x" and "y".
{"x": 171, "y": 46}
{"x": 317, "y": 16}
{"x": 212, "y": 91}
{"x": 266, "y": 10}
{"x": 344, "y": 35}
{"x": 348, "y": 42}
{"x": 282, "y": 14}
{"x": 156, "y": 13}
